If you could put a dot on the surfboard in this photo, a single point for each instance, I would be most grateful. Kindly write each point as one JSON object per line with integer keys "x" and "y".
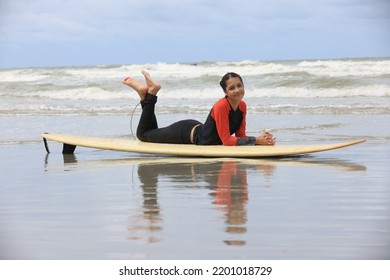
{"x": 126, "y": 145}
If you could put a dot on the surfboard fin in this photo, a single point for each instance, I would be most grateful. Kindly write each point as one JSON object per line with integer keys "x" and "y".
{"x": 46, "y": 145}
{"x": 68, "y": 149}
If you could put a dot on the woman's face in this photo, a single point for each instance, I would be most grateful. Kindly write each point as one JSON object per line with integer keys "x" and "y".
{"x": 235, "y": 90}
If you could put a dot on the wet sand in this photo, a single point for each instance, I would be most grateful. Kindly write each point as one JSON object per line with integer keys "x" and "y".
{"x": 112, "y": 205}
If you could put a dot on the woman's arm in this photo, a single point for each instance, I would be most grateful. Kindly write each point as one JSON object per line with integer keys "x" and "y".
{"x": 264, "y": 139}
{"x": 221, "y": 117}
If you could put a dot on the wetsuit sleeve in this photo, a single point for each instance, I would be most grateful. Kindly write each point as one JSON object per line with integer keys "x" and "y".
{"x": 220, "y": 115}
{"x": 247, "y": 141}
{"x": 243, "y": 139}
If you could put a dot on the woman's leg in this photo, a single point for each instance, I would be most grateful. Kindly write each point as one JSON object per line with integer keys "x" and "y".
{"x": 148, "y": 120}
{"x": 153, "y": 87}
{"x": 147, "y": 94}
{"x": 176, "y": 133}
{"x": 147, "y": 130}
{"x": 139, "y": 87}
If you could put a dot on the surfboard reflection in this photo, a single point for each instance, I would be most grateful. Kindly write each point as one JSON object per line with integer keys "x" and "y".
{"x": 228, "y": 183}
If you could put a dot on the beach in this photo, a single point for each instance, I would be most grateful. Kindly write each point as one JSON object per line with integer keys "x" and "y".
{"x": 116, "y": 206}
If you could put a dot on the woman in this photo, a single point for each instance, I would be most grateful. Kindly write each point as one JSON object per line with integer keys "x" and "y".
{"x": 227, "y": 117}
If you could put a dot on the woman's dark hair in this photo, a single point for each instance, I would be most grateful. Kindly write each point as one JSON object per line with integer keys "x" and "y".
{"x": 226, "y": 77}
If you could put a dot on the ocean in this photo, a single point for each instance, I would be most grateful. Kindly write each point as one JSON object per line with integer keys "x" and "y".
{"x": 315, "y": 87}
{"x": 113, "y": 205}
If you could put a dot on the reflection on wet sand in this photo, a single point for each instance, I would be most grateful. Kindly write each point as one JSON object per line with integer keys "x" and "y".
{"x": 232, "y": 194}
{"x": 225, "y": 178}
{"x": 227, "y": 181}
{"x": 149, "y": 220}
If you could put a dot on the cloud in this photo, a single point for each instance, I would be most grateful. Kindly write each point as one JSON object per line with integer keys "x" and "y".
{"x": 48, "y": 21}
{"x": 85, "y": 19}
{"x": 188, "y": 30}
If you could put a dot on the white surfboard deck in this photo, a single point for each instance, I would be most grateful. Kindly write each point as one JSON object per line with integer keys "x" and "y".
{"x": 127, "y": 145}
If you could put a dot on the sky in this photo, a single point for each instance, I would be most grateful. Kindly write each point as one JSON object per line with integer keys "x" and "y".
{"x": 40, "y": 33}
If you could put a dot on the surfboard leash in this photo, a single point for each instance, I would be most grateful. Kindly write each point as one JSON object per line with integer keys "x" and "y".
{"x": 131, "y": 120}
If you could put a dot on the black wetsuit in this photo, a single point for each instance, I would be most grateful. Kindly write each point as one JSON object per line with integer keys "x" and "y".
{"x": 221, "y": 123}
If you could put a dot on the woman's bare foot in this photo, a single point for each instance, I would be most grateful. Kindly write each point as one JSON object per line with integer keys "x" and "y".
{"x": 139, "y": 87}
{"x": 153, "y": 87}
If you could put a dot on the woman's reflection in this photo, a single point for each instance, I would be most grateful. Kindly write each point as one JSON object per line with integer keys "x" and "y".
{"x": 231, "y": 193}
{"x": 227, "y": 181}
{"x": 148, "y": 221}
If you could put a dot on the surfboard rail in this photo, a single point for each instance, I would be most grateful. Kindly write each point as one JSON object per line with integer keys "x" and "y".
{"x": 127, "y": 145}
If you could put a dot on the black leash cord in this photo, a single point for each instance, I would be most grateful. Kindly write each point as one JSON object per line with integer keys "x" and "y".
{"x": 131, "y": 120}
